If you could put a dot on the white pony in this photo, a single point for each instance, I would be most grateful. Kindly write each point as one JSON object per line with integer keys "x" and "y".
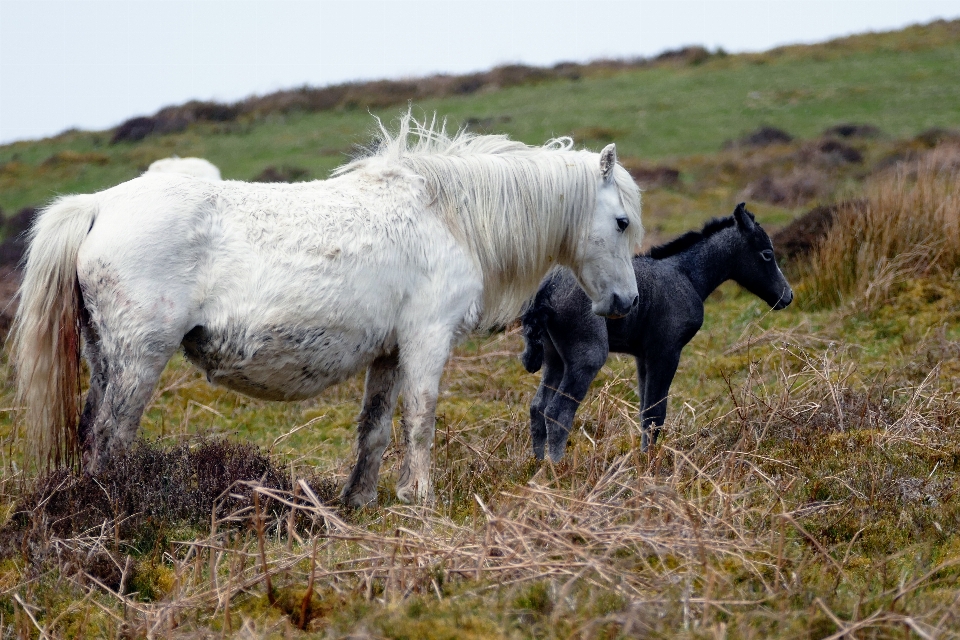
{"x": 196, "y": 167}
{"x": 279, "y": 290}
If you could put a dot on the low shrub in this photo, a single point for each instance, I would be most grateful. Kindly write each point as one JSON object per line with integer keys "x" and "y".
{"x": 285, "y": 173}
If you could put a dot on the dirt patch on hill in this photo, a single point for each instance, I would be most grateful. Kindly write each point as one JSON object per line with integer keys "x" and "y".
{"x": 852, "y": 130}
{"x": 761, "y": 137}
{"x": 838, "y": 152}
{"x": 799, "y": 238}
{"x": 285, "y": 173}
{"x": 9, "y": 283}
{"x": 11, "y": 252}
{"x": 174, "y": 120}
{"x": 793, "y": 189}
{"x": 652, "y": 176}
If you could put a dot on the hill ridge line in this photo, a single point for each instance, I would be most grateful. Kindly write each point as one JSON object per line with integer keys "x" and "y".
{"x": 382, "y": 93}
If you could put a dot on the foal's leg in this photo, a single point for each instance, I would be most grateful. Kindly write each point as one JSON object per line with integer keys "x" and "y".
{"x": 373, "y": 431}
{"x": 641, "y": 378}
{"x": 549, "y": 384}
{"x": 421, "y": 362}
{"x": 582, "y": 363}
{"x": 659, "y": 373}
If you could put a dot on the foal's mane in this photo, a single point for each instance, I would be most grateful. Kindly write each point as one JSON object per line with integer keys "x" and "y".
{"x": 518, "y": 209}
{"x": 690, "y": 238}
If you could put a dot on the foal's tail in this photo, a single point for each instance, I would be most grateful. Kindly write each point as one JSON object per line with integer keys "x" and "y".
{"x": 45, "y": 338}
{"x": 534, "y": 323}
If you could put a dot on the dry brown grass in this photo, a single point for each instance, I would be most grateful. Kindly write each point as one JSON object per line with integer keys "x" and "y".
{"x": 787, "y": 507}
{"x": 907, "y": 226}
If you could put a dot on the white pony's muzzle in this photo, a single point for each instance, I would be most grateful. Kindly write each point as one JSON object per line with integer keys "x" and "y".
{"x": 615, "y": 305}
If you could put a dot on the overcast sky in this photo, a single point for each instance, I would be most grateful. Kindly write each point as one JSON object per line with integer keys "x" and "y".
{"x": 94, "y": 63}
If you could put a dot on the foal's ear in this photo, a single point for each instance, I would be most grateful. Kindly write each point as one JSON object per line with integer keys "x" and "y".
{"x": 608, "y": 160}
{"x": 744, "y": 218}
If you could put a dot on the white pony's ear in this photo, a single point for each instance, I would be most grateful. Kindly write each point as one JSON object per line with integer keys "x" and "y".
{"x": 608, "y": 160}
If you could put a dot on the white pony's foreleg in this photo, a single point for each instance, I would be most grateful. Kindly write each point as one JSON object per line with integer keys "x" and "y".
{"x": 373, "y": 430}
{"x": 422, "y": 364}
{"x": 419, "y": 424}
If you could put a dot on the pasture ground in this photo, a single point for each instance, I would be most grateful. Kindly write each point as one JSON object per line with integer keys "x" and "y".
{"x": 808, "y": 483}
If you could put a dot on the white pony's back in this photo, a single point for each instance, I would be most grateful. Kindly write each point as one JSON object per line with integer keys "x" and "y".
{"x": 196, "y": 167}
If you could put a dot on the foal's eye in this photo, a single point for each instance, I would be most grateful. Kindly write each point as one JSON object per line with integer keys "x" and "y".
{"x": 767, "y": 255}
{"x": 622, "y": 223}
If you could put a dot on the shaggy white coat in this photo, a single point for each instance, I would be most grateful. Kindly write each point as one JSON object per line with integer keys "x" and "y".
{"x": 279, "y": 290}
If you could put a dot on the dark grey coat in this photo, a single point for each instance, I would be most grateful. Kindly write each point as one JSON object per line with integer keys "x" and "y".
{"x": 572, "y": 343}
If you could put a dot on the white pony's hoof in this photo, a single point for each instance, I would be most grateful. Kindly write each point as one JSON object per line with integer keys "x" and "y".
{"x": 358, "y": 498}
{"x": 412, "y": 493}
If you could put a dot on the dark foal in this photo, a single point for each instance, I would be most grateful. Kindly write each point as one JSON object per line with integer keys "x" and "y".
{"x": 572, "y": 343}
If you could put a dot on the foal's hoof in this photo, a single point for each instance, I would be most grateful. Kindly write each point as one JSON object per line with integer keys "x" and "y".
{"x": 555, "y": 452}
{"x": 648, "y": 440}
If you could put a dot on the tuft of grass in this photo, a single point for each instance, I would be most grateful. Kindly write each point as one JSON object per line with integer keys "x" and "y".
{"x": 907, "y": 226}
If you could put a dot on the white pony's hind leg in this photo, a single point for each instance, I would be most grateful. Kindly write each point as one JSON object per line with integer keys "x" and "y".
{"x": 98, "y": 383}
{"x": 132, "y": 332}
{"x": 124, "y": 399}
{"x": 131, "y": 374}
{"x": 373, "y": 430}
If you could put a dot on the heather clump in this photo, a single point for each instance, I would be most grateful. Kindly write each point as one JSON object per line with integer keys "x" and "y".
{"x": 144, "y": 487}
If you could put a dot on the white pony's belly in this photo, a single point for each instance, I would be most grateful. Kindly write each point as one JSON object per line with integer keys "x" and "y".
{"x": 281, "y": 362}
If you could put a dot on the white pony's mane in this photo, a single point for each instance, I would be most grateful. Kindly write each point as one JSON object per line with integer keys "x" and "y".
{"x": 518, "y": 209}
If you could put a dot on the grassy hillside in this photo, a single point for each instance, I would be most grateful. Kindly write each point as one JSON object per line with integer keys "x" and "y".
{"x": 808, "y": 482}
{"x": 902, "y": 83}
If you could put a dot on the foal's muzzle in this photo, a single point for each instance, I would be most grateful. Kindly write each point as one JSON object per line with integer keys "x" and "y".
{"x": 784, "y": 300}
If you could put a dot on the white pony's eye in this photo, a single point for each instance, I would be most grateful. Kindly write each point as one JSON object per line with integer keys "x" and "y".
{"x": 623, "y": 223}
{"x": 767, "y": 255}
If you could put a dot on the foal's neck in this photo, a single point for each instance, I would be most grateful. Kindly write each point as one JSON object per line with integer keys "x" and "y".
{"x": 708, "y": 264}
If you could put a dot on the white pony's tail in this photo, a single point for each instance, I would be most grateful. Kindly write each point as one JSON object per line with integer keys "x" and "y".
{"x": 45, "y": 338}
